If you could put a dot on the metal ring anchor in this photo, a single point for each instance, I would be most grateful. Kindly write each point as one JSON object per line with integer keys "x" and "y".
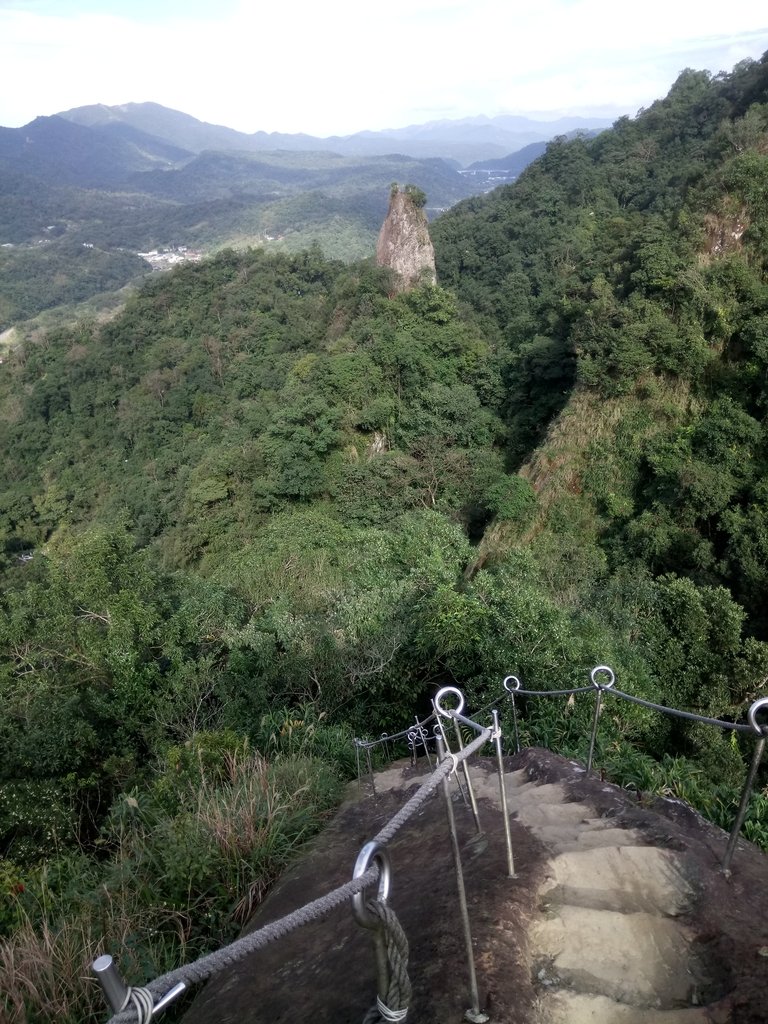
{"x": 511, "y": 679}
{"x": 608, "y": 671}
{"x": 443, "y": 692}
{"x": 372, "y": 851}
{"x": 759, "y": 705}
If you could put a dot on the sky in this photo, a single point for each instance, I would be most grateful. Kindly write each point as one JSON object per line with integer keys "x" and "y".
{"x": 333, "y": 67}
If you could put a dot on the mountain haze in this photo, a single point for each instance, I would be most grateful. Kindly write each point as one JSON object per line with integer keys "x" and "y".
{"x": 110, "y": 186}
{"x": 463, "y": 140}
{"x": 61, "y": 152}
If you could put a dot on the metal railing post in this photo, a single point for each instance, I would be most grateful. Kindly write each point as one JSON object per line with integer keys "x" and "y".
{"x": 357, "y": 762}
{"x": 467, "y": 779}
{"x": 457, "y": 716}
{"x": 474, "y": 1013}
{"x": 438, "y": 730}
{"x": 512, "y": 683}
{"x": 422, "y": 734}
{"x": 599, "y": 687}
{"x": 503, "y": 791}
{"x": 112, "y": 985}
{"x": 370, "y": 767}
{"x": 749, "y": 782}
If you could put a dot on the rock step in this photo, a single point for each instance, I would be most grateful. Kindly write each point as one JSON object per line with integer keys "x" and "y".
{"x": 640, "y": 959}
{"x": 579, "y": 1008}
{"x": 608, "y": 950}
{"x": 585, "y": 837}
{"x": 534, "y": 814}
{"x": 545, "y": 792}
{"x": 626, "y": 878}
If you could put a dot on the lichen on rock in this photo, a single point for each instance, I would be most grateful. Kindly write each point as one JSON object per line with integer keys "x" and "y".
{"x": 404, "y": 244}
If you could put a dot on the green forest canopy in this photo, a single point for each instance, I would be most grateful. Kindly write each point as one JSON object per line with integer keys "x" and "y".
{"x": 267, "y": 485}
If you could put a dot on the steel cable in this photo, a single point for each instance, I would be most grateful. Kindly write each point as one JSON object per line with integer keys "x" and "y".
{"x": 551, "y": 693}
{"x": 206, "y": 966}
{"x": 386, "y": 738}
{"x": 689, "y": 715}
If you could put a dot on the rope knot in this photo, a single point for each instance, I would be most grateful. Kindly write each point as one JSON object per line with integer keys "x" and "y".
{"x": 390, "y": 1015}
{"x": 393, "y": 1007}
{"x": 142, "y": 1001}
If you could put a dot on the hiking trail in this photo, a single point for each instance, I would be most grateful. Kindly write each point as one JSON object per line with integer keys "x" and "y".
{"x": 608, "y": 946}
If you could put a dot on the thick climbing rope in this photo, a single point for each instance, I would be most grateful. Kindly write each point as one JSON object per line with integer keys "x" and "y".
{"x": 394, "y": 1007}
{"x": 202, "y": 969}
{"x": 141, "y": 1001}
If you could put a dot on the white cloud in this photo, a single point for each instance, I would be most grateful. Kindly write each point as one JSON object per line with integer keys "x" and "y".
{"x": 343, "y": 65}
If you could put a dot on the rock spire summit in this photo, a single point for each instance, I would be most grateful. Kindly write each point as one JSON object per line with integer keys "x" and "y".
{"x": 404, "y": 244}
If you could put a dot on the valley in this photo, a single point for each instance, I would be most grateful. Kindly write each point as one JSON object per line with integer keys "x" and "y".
{"x": 124, "y": 182}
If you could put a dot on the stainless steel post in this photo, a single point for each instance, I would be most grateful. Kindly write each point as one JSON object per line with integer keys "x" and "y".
{"x": 112, "y": 985}
{"x": 467, "y": 778}
{"x": 595, "y": 717}
{"x": 503, "y": 791}
{"x": 512, "y": 683}
{"x": 422, "y": 734}
{"x": 474, "y": 1014}
{"x": 370, "y": 769}
{"x": 746, "y": 792}
{"x": 357, "y": 761}
{"x": 599, "y": 687}
{"x": 438, "y": 730}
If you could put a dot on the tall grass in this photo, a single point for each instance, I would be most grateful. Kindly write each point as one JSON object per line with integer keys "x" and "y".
{"x": 181, "y": 868}
{"x": 44, "y": 965}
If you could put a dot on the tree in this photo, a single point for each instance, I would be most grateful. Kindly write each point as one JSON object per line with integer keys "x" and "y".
{"x": 416, "y": 195}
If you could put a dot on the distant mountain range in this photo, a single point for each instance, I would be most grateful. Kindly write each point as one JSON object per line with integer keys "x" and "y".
{"x": 464, "y": 140}
{"x": 83, "y": 192}
{"x": 514, "y": 163}
{"x": 63, "y": 152}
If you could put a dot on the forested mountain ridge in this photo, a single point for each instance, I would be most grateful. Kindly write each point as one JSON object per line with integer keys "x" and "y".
{"x": 273, "y": 501}
{"x": 633, "y": 268}
{"x": 141, "y": 176}
{"x": 56, "y": 151}
{"x": 79, "y": 204}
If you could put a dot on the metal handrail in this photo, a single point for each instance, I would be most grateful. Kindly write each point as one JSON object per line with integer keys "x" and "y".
{"x": 599, "y": 687}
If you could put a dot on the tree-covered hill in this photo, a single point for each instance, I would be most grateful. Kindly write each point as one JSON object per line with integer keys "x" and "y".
{"x": 273, "y": 501}
{"x": 142, "y": 177}
{"x": 630, "y": 272}
{"x": 66, "y": 185}
{"x": 71, "y": 271}
{"x": 271, "y": 356}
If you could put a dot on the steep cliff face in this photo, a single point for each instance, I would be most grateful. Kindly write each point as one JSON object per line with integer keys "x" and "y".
{"x": 404, "y": 243}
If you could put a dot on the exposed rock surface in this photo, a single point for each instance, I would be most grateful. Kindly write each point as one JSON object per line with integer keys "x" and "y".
{"x": 404, "y": 244}
{"x": 618, "y": 913}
